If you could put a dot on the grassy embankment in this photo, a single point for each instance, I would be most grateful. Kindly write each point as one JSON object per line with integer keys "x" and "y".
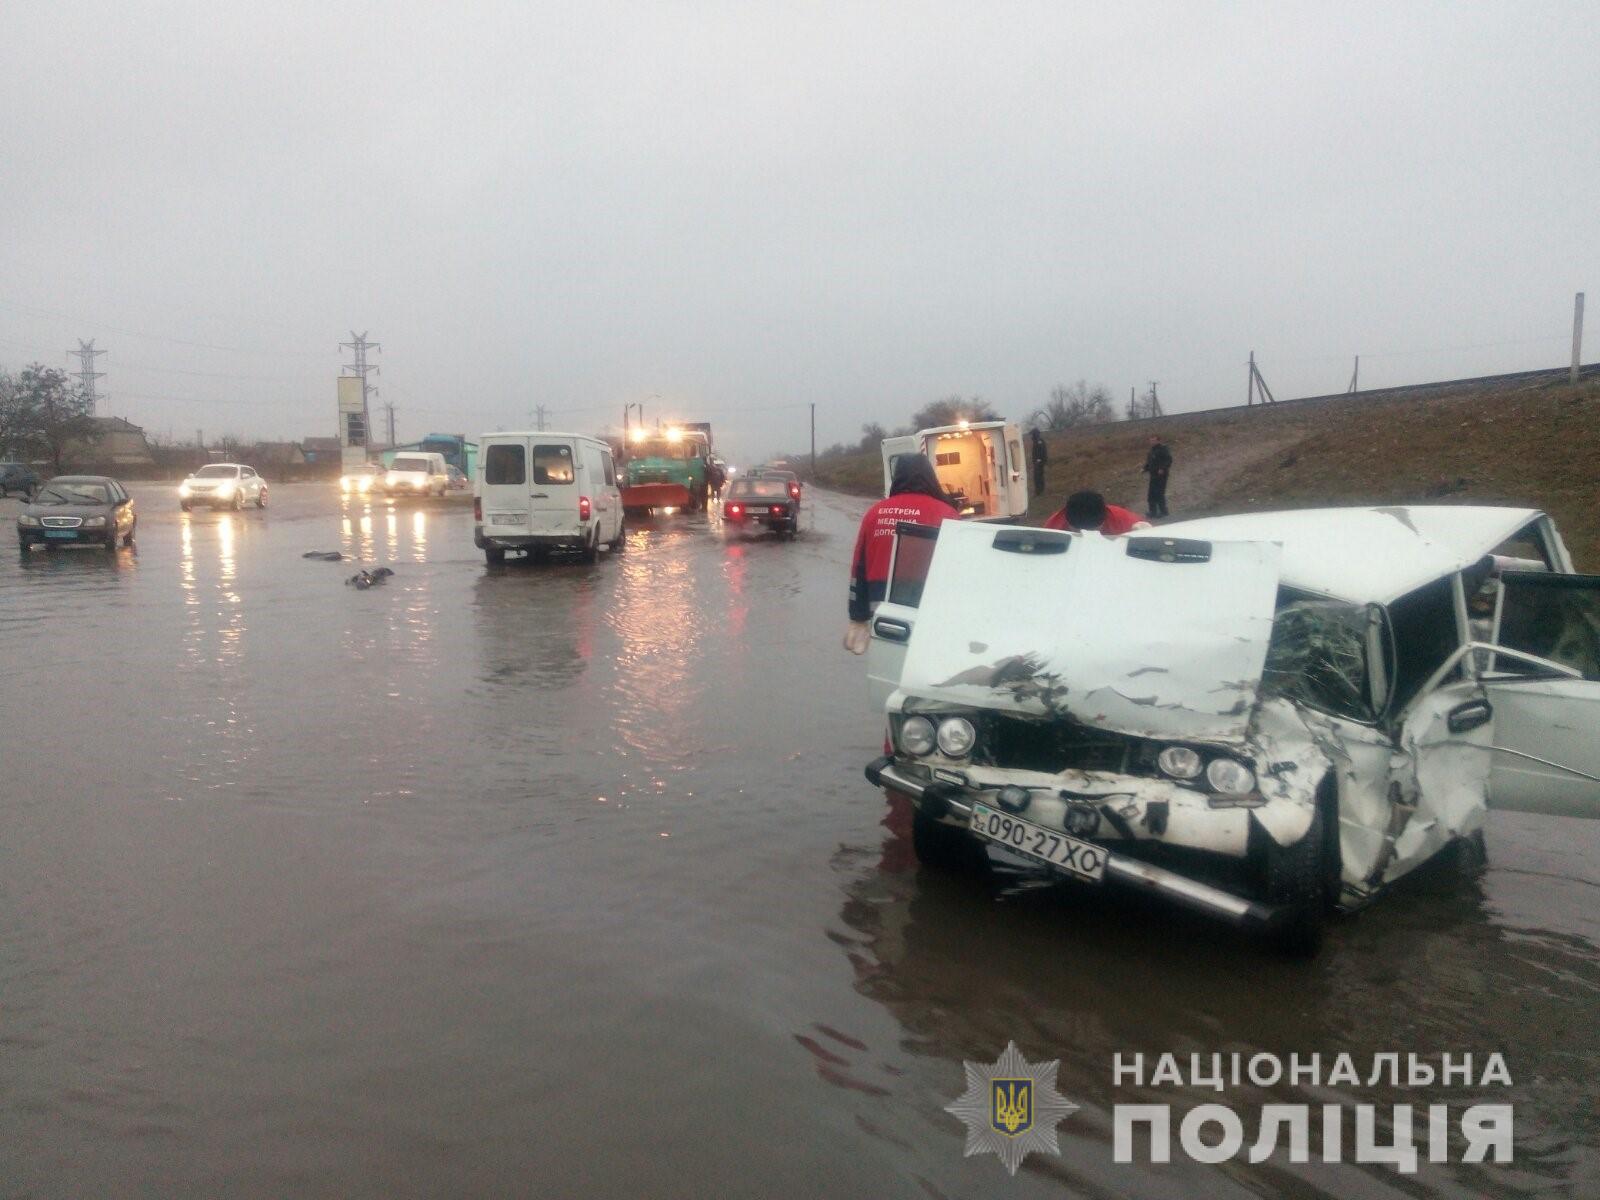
{"x": 1532, "y": 445}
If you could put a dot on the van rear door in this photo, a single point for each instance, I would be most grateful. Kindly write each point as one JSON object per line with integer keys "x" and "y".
{"x": 503, "y": 490}
{"x": 553, "y": 489}
{"x": 894, "y": 449}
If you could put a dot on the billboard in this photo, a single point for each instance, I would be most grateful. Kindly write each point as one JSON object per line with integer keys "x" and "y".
{"x": 352, "y": 422}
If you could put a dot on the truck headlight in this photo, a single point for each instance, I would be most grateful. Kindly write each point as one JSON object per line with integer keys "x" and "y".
{"x": 956, "y": 737}
{"x": 1180, "y": 762}
{"x": 917, "y": 736}
{"x": 1230, "y": 777}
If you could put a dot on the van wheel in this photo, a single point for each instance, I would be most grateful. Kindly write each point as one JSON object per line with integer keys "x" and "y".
{"x": 620, "y": 542}
{"x": 591, "y": 549}
{"x": 946, "y": 848}
{"x": 494, "y": 555}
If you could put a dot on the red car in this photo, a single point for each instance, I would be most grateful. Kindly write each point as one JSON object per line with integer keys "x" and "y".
{"x": 763, "y": 503}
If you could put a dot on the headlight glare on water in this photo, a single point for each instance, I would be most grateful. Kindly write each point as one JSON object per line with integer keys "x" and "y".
{"x": 917, "y": 736}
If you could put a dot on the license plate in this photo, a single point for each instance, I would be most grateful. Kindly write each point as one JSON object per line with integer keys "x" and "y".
{"x": 61, "y": 533}
{"x": 758, "y": 512}
{"x": 507, "y": 518}
{"x": 1083, "y": 859}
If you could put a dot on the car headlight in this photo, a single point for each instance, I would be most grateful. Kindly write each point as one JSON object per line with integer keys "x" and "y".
{"x": 93, "y": 522}
{"x": 956, "y": 737}
{"x": 364, "y": 483}
{"x": 224, "y": 489}
{"x": 27, "y": 519}
{"x": 917, "y": 736}
{"x": 1230, "y": 777}
{"x": 1180, "y": 762}
{"x": 184, "y": 490}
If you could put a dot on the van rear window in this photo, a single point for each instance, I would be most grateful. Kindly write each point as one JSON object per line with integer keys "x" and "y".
{"x": 552, "y": 464}
{"x": 505, "y": 463}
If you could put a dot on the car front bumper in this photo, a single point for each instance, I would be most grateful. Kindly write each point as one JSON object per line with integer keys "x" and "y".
{"x": 951, "y": 804}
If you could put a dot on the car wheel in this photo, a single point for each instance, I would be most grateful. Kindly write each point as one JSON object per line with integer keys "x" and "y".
{"x": 184, "y": 504}
{"x": 619, "y": 543}
{"x": 946, "y": 848}
{"x": 112, "y": 539}
{"x": 591, "y": 549}
{"x": 128, "y": 537}
{"x": 1295, "y": 880}
{"x": 238, "y": 501}
{"x": 494, "y": 555}
{"x": 261, "y": 498}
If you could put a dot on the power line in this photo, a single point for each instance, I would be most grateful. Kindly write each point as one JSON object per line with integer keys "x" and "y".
{"x": 86, "y": 354}
{"x": 358, "y": 345}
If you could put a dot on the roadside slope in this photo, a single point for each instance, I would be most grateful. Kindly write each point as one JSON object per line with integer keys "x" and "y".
{"x": 1536, "y": 445}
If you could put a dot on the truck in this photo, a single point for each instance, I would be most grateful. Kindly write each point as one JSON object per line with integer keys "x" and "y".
{"x": 980, "y": 464}
{"x": 666, "y": 468}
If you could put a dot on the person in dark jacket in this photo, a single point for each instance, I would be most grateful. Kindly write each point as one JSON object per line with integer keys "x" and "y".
{"x": 1039, "y": 455}
{"x": 914, "y": 497}
{"x": 1157, "y": 465}
{"x": 1088, "y": 511}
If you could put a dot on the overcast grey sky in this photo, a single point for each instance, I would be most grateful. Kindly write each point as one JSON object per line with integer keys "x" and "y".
{"x": 743, "y": 208}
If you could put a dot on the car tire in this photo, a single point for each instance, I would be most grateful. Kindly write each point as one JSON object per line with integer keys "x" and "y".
{"x": 185, "y": 505}
{"x": 619, "y": 543}
{"x": 494, "y": 555}
{"x": 261, "y": 498}
{"x": 1295, "y": 879}
{"x": 943, "y": 847}
{"x": 127, "y": 539}
{"x": 591, "y": 549}
{"x": 238, "y": 502}
{"x": 111, "y": 540}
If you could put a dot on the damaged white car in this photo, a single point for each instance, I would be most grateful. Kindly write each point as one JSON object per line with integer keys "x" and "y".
{"x": 1264, "y": 717}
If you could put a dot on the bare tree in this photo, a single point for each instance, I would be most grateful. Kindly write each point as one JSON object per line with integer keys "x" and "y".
{"x": 42, "y": 414}
{"x": 1079, "y": 404}
{"x": 952, "y": 410}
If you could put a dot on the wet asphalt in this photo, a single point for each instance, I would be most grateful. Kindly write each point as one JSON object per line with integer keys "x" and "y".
{"x": 565, "y": 880}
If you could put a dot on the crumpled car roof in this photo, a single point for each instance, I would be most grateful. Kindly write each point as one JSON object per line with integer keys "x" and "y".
{"x": 1368, "y": 555}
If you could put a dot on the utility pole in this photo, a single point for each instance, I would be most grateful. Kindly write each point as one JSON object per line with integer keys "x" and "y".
{"x": 388, "y": 409}
{"x": 1355, "y": 379}
{"x": 813, "y": 439}
{"x": 86, "y": 354}
{"x": 1578, "y": 335}
{"x": 540, "y": 411}
{"x": 358, "y": 347}
{"x": 1155, "y": 401}
{"x": 1258, "y": 386}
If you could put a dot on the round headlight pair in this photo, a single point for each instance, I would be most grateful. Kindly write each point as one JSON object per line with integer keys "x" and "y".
{"x": 954, "y": 737}
{"x": 1226, "y": 775}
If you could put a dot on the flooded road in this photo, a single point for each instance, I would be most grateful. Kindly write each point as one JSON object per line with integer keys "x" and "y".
{"x": 565, "y": 880}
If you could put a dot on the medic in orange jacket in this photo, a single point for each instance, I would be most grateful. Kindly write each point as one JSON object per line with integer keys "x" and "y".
{"x": 869, "y": 570}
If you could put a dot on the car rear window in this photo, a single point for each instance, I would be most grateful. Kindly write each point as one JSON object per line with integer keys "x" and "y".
{"x": 505, "y": 463}
{"x": 552, "y": 464}
{"x": 762, "y": 488}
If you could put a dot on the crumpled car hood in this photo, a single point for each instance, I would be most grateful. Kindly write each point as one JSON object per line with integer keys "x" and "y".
{"x": 1162, "y": 649}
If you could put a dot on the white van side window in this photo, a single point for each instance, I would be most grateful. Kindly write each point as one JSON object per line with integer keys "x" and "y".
{"x": 610, "y": 468}
{"x": 505, "y": 463}
{"x": 552, "y": 464}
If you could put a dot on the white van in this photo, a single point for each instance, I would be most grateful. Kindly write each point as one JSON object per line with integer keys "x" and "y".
{"x": 417, "y": 473}
{"x": 537, "y": 492}
{"x": 980, "y": 465}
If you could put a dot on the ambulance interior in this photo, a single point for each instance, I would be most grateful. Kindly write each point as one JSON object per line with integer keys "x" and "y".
{"x": 965, "y": 461}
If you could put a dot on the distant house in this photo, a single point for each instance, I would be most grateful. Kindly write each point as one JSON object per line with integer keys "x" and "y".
{"x": 118, "y": 447}
{"x": 278, "y": 461}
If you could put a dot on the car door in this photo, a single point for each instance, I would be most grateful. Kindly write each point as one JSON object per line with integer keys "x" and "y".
{"x": 610, "y": 502}
{"x": 892, "y": 621}
{"x": 1543, "y": 680}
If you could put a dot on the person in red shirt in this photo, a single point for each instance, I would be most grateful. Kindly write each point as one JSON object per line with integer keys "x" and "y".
{"x": 1089, "y": 510}
{"x": 914, "y": 497}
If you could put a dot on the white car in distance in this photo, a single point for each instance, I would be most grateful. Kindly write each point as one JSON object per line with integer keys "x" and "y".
{"x": 223, "y": 485}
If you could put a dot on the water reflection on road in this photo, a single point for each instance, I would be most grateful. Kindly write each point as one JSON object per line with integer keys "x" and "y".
{"x": 562, "y": 879}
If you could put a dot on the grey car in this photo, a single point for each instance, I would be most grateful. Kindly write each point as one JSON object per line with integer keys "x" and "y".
{"x": 18, "y": 477}
{"x": 79, "y": 510}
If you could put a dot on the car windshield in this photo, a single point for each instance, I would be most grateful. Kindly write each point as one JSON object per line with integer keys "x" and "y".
{"x": 73, "y": 493}
{"x": 216, "y": 473}
{"x": 663, "y": 448}
{"x": 1318, "y": 655}
{"x": 761, "y": 489}
{"x": 410, "y": 464}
